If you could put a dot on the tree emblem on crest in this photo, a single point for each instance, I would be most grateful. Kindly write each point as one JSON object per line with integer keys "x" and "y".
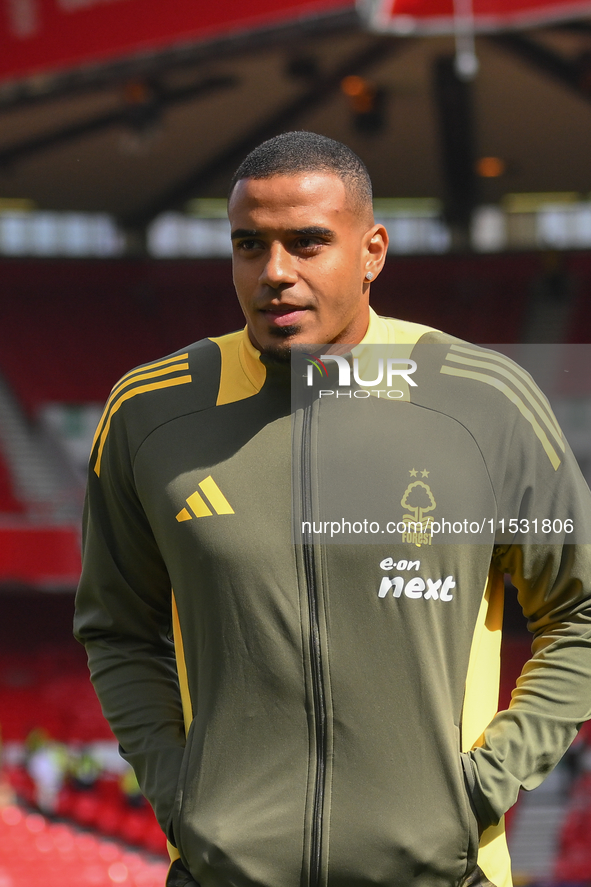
{"x": 418, "y": 500}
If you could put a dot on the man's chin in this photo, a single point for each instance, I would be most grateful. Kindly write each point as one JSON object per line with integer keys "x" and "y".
{"x": 283, "y": 339}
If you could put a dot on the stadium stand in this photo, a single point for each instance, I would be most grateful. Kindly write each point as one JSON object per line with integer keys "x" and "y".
{"x": 580, "y": 322}
{"x": 40, "y": 555}
{"x": 515, "y": 651}
{"x": 482, "y": 299}
{"x": 47, "y": 700}
{"x": 9, "y": 504}
{"x": 69, "y": 329}
{"x": 35, "y": 850}
{"x": 49, "y": 689}
{"x": 573, "y": 863}
{"x": 43, "y": 674}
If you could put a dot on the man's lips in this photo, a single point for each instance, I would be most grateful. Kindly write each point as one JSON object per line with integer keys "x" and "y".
{"x": 283, "y": 315}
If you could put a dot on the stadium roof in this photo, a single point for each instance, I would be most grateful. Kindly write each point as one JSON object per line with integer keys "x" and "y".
{"x": 136, "y": 130}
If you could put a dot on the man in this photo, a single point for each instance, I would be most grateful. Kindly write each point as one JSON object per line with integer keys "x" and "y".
{"x": 306, "y": 712}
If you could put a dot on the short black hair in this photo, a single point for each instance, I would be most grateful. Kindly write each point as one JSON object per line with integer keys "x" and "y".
{"x": 299, "y": 152}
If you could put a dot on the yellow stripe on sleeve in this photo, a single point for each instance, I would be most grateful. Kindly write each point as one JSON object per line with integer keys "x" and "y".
{"x": 138, "y": 375}
{"x": 512, "y": 378}
{"x": 141, "y": 389}
{"x": 167, "y": 361}
{"x": 536, "y": 396}
{"x": 510, "y": 394}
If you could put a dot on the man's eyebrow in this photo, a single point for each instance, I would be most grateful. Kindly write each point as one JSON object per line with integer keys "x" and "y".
{"x": 308, "y": 231}
{"x": 314, "y": 230}
{"x": 244, "y": 232}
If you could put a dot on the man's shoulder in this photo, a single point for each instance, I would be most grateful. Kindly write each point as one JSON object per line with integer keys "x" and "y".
{"x": 199, "y": 363}
{"x": 195, "y": 363}
{"x": 395, "y": 331}
{"x": 160, "y": 391}
{"x": 490, "y": 394}
{"x": 198, "y": 354}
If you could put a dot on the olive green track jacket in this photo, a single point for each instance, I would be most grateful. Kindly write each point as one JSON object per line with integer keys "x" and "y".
{"x": 307, "y": 710}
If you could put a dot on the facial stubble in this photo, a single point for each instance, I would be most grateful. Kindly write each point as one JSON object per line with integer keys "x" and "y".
{"x": 282, "y": 351}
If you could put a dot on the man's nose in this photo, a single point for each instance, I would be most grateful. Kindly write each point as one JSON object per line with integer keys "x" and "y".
{"x": 279, "y": 268}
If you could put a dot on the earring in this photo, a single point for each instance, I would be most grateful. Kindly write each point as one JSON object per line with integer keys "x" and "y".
{"x": 369, "y": 275}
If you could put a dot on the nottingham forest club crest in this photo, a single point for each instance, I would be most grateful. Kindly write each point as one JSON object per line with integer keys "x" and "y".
{"x": 418, "y": 502}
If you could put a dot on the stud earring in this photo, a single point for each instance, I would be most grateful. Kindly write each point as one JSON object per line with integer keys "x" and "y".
{"x": 369, "y": 275}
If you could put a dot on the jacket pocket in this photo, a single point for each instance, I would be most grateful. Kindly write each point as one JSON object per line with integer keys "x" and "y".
{"x": 178, "y": 876}
{"x": 174, "y": 829}
{"x": 475, "y": 827}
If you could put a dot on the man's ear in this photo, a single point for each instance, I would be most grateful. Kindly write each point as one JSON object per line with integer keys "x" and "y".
{"x": 376, "y": 248}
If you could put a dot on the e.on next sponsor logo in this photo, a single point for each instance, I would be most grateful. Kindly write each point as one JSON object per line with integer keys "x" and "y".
{"x": 416, "y": 587}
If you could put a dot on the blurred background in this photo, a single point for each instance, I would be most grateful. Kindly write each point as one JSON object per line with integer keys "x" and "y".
{"x": 121, "y": 123}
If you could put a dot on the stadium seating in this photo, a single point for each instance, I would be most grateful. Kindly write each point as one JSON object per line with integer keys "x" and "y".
{"x": 101, "y": 807}
{"x": 579, "y": 329}
{"x": 515, "y": 652}
{"x": 9, "y": 503}
{"x": 482, "y": 299}
{"x": 44, "y": 689}
{"x": 574, "y": 859}
{"x": 34, "y": 850}
{"x": 70, "y": 329}
{"x": 36, "y": 692}
{"x": 43, "y": 672}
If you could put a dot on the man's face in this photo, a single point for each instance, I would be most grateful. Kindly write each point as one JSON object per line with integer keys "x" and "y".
{"x": 300, "y": 255}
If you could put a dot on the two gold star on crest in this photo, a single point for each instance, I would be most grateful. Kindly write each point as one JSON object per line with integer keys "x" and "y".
{"x": 413, "y": 472}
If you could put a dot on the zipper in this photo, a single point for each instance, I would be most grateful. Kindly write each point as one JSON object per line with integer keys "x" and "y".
{"x": 318, "y": 695}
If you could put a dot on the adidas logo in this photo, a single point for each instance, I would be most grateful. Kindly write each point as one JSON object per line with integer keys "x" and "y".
{"x": 199, "y": 506}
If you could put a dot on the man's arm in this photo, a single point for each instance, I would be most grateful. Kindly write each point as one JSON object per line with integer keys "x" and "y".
{"x": 123, "y": 617}
{"x": 553, "y": 694}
